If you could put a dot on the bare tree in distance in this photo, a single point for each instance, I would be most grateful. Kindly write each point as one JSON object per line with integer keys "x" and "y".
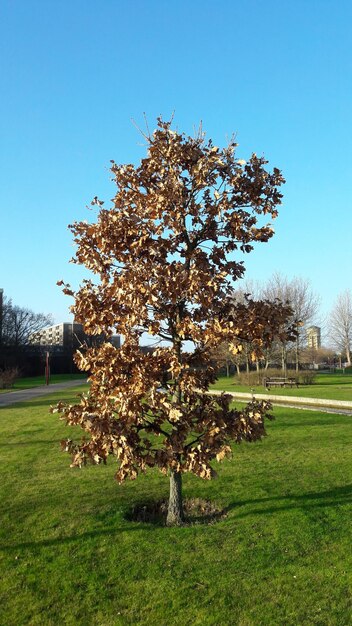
{"x": 20, "y": 323}
{"x": 304, "y": 303}
{"x": 163, "y": 260}
{"x": 340, "y": 324}
{"x": 250, "y": 288}
{"x": 254, "y": 289}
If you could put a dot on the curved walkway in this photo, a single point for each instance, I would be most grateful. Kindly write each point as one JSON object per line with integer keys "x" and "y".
{"x": 343, "y": 407}
{"x": 13, "y": 397}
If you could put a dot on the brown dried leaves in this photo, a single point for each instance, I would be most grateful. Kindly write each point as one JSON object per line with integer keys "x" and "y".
{"x": 163, "y": 262}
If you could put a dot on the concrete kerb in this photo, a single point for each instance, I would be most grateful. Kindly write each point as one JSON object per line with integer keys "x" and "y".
{"x": 315, "y": 404}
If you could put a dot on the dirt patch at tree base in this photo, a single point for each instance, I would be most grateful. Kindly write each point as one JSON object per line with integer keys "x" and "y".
{"x": 196, "y": 511}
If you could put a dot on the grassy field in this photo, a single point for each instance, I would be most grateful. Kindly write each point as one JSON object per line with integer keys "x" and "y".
{"x": 327, "y": 386}
{"x": 281, "y": 557}
{"x": 37, "y": 381}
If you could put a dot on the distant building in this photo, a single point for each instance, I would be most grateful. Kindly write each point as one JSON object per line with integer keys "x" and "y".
{"x": 67, "y": 337}
{"x": 62, "y": 335}
{"x": 314, "y": 337}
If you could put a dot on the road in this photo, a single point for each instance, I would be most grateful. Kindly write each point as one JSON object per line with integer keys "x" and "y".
{"x": 13, "y": 397}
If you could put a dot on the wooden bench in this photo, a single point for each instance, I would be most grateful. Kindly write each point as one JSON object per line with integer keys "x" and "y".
{"x": 280, "y": 382}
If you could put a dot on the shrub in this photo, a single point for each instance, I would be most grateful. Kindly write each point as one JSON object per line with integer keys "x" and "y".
{"x": 306, "y": 377}
{"x": 253, "y": 378}
{"x": 8, "y": 377}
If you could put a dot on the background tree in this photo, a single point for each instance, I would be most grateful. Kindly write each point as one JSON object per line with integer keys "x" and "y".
{"x": 163, "y": 260}
{"x": 271, "y": 353}
{"x": 17, "y": 325}
{"x": 222, "y": 353}
{"x": 20, "y": 323}
{"x": 304, "y": 302}
{"x": 224, "y": 357}
{"x": 341, "y": 324}
{"x": 318, "y": 356}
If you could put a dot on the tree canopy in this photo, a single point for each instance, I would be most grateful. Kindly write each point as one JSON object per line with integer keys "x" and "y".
{"x": 340, "y": 324}
{"x": 19, "y": 324}
{"x": 165, "y": 257}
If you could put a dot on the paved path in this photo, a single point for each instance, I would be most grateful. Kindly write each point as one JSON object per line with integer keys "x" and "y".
{"x": 314, "y": 404}
{"x": 343, "y": 407}
{"x": 13, "y": 397}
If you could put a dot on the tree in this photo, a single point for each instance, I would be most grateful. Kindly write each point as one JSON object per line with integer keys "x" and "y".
{"x": 253, "y": 289}
{"x": 224, "y": 357}
{"x": 318, "y": 356}
{"x": 162, "y": 257}
{"x": 19, "y": 324}
{"x": 341, "y": 324}
{"x": 304, "y": 303}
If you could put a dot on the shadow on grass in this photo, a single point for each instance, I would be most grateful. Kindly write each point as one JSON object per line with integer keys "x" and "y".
{"x": 31, "y": 442}
{"x": 41, "y": 401}
{"x": 57, "y": 541}
{"x": 338, "y": 384}
{"x": 306, "y": 501}
{"x": 334, "y": 419}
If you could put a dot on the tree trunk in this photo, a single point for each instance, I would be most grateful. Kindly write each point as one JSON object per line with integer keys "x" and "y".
{"x": 267, "y": 359}
{"x": 175, "y": 515}
{"x": 227, "y": 369}
{"x": 284, "y": 359}
{"x": 297, "y": 355}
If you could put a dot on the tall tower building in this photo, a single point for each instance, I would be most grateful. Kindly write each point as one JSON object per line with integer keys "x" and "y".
{"x": 314, "y": 337}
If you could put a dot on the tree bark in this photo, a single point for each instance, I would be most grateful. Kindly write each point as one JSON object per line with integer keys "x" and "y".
{"x": 297, "y": 355}
{"x": 175, "y": 515}
{"x": 284, "y": 359}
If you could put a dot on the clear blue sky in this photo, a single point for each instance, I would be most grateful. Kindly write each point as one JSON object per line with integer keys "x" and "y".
{"x": 74, "y": 73}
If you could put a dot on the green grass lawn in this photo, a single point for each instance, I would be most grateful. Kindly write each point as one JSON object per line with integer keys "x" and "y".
{"x": 36, "y": 381}
{"x": 281, "y": 557}
{"x": 327, "y": 386}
